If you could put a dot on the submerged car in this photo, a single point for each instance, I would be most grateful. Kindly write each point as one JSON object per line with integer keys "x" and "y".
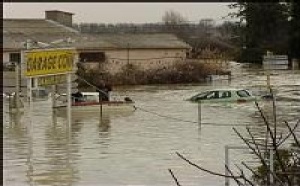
{"x": 223, "y": 95}
{"x": 89, "y": 102}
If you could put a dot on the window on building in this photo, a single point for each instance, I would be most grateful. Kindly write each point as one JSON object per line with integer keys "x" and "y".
{"x": 92, "y": 57}
{"x": 15, "y": 57}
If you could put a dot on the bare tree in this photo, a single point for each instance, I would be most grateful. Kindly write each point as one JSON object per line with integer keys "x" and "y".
{"x": 286, "y": 166}
{"x": 172, "y": 17}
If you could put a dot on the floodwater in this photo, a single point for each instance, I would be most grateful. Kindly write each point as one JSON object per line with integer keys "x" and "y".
{"x": 139, "y": 148}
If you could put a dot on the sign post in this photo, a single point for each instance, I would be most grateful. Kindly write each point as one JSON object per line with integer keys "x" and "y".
{"x": 48, "y": 66}
{"x": 17, "y": 98}
{"x": 69, "y": 99}
{"x": 29, "y": 88}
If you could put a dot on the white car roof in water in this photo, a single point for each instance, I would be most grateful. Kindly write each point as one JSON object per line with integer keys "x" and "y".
{"x": 90, "y": 93}
{"x": 227, "y": 89}
{"x": 85, "y": 94}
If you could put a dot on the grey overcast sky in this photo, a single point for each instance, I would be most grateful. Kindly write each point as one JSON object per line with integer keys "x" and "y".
{"x": 119, "y": 12}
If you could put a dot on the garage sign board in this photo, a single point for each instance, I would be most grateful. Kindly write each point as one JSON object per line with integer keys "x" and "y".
{"x": 51, "y": 80}
{"x": 48, "y": 62}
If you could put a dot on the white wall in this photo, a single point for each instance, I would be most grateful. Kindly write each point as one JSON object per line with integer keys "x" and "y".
{"x": 5, "y": 57}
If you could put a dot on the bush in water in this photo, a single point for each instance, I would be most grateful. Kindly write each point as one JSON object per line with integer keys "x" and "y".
{"x": 180, "y": 72}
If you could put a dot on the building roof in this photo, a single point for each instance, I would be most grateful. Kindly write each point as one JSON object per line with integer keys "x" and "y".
{"x": 60, "y": 11}
{"x": 34, "y": 26}
{"x": 125, "y": 41}
{"x": 17, "y": 31}
{"x": 143, "y": 40}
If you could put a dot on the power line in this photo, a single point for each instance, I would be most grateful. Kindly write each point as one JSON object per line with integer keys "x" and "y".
{"x": 187, "y": 121}
{"x": 147, "y": 58}
{"x": 103, "y": 92}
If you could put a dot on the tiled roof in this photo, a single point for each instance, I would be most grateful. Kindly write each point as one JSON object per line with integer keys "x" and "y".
{"x": 143, "y": 40}
{"x": 17, "y": 31}
{"x": 17, "y": 40}
{"x": 34, "y": 26}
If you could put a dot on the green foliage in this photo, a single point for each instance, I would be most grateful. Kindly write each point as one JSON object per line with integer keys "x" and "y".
{"x": 295, "y": 30}
{"x": 266, "y": 28}
{"x": 251, "y": 55}
{"x": 287, "y": 157}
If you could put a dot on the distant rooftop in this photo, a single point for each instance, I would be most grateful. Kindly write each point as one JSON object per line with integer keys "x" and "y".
{"x": 59, "y": 11}
{"x": 34, "y": 26}
{"x": 17, "y": 31}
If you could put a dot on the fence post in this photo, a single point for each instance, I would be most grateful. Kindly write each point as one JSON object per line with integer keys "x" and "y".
{"x": 226, "y": 165}
{"x": 199, "y": 113}
{"x": 17, "y": 78}
{"x": 271, "y": 166}
{"x": 69, "y": 106}
{"x": 101, "y": 108}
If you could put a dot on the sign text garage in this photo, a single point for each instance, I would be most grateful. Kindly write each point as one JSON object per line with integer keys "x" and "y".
{"x": 48, "y": 62}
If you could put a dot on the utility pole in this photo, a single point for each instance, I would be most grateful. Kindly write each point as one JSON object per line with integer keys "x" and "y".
{"x": 127, "y": 53}
{"x": 127, "y": 68}
{"x": 17, "y": 78}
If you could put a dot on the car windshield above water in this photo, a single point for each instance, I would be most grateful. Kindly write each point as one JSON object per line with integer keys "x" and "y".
{"x": 223, "y": 95}
{"x": 243, "y": 93}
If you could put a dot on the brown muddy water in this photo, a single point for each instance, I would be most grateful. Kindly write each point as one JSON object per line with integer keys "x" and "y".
{"x": 139, "y": 148}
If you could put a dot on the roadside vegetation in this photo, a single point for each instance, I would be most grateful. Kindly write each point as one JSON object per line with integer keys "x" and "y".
{"x": 267, "y": 26}
{"x": 181, "y": 72}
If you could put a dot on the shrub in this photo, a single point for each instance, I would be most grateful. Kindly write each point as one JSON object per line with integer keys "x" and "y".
{"x": 130, "y": 74}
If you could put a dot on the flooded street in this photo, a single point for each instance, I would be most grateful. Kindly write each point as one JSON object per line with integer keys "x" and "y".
{"x": 138, "y": 148}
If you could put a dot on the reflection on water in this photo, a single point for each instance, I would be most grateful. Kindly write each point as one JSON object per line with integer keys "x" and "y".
{"x": 104, "y": 124}
{"x": 56, "y": 167}
{"x": 138, "y": 148}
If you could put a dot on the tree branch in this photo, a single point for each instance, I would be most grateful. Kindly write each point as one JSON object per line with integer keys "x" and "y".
{"x": 173, "y": 176}
{"x": 293, "y": 134}
{"x": 290, "y": 133}
{"x": 203, "y": 169}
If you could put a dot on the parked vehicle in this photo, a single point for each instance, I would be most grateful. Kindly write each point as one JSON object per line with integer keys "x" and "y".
{"x": 10, "y": 102}
{"x": 38, "y": 94}
{"x": 10, "y": 66}
{"x": 224, "y": 95}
